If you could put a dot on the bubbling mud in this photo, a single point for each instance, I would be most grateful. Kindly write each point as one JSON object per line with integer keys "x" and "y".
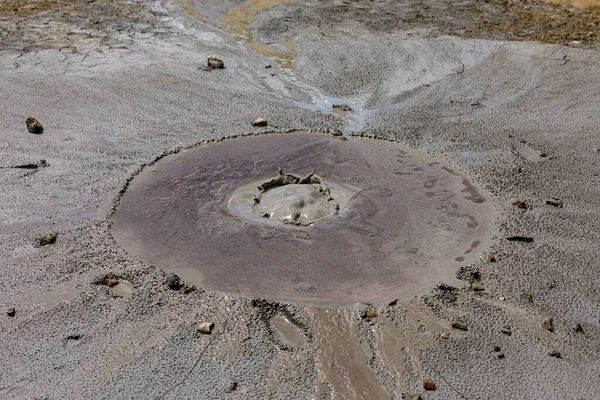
{"x": 293, "y": 204}
{"x": 399, "y": 223}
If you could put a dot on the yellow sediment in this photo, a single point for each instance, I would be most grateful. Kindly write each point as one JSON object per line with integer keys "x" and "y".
{"x": 238, "y": 19}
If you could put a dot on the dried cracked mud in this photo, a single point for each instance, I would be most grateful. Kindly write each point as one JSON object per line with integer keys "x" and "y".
{"x": 502, "y": 93}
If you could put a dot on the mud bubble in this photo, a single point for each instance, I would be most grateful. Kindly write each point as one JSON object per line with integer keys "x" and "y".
{"x": 404, "y": 219}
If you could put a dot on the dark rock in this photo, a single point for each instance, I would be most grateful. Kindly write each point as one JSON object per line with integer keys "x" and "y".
{"x": 393, "y": 302}
{"x": 34, "y": 126}
{"x": 445, "y": 287}
{"x": 496, "y": 348}
{"x": 555, "y": 354}
{"x": 554, "y": 202}
{"x": 519, "y": 239}
{"x": 578, "y": 328}
{"x": 48, "y": 239}
{"x": 459, "y": 325}
{"x": 233, "y": 385}
{"x": 108, "y": 279}
{"x": 341, "y": 107}
{"x": 428, "y": 384}
{"x": 215, "y": 63}
{"x": 548, "y": 325}
{"x": 500, "y": 355}
{"x": 173, "y": 282}
{"x": 11, "y": 312}
{"x": 518, "y": 203}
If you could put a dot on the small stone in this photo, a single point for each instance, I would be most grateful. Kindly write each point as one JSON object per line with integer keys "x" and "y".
{"x": 518, "y": 203}
{"x": 342, "y": 107}
{"x": 215, "y": 63}
{"x": 554, "y": 203}
{"x": 369, "y": 314}
{"x": 578, "y": 328}
{"x": 459, "y": 325}
{"x": 445, "y": 335}
{"x": 502, "y": 298}
{"x": 34, "y": 126}
{"x": 173, "y": 282}
{"x": 548, "y": 325}
{"x": 109, "y": 280}
{"x": 555, "y": 354}
{"x": 492, "y": 257}
{"x": 260, "y": 122}
{"x": 528, "y": 297}
{"x": 11, "y": 312}
{"x": 516, "y": 169}
{"x": 205, "y": 327}
{"x": 477, "y": 286}
{"x": 506, "y": 330}
{"x": 48, "y": 239}
{"x": 500, "y": 355}
{"x": 519, "y": 239}
{"x": 42, "y": 163}
{"x": 428, "y": 384}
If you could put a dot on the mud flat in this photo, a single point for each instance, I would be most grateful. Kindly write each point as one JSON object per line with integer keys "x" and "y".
{"x": 118, "y": 86}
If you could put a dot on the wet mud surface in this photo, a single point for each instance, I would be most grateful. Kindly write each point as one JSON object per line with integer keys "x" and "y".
{"x": 120, "y": 84}
{"x": 413, "y": 222}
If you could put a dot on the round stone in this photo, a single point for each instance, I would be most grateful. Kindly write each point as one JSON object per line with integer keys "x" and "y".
{"x": 406, "y": 220}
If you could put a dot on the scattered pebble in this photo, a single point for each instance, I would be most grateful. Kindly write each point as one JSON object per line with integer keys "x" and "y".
{"x": 445, "y": 335}
{"x": 260, "y": 122}
{"x": 459, "y": 325}
{"x": 173, "y": 282}
{"x": 518, "y": 203}
{"x": 519, "y": 239}
{"x": 555, "y": 354}
{"x": 527, "y": 296}
{"x": 554, "y": 202}
{"x": 48, "y": 239}
{"x": 11, "y": 312}
{"x": 548, "y": 325}
{"x": 578, "y": 328}
{"x": 516, "y": 169}
{"x": 108, "y": 279}
{"x": 205, "y": 327}
{"x": 500, "y": 355}
{"x": 506, "y": 330}
{"x": 342, "y": 107}
{"x": 34, "y": 126}
{"x": 215, "y": 63}
{"x": 428, "y": 384}
{"x": 477, "y": 286}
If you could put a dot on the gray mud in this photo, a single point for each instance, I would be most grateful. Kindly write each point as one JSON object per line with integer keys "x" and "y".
{"x": 413, "y": 222}
{"x": 117, "y": 85}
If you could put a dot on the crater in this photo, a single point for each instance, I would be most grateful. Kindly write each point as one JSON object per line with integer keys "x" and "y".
{"x": 193, "y": 214}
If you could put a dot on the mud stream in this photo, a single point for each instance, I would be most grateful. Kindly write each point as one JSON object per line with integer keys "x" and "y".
{"x": 236, "y": 23}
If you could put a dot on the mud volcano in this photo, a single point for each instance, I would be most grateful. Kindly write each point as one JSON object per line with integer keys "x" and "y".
{"x": 375, "y": 221}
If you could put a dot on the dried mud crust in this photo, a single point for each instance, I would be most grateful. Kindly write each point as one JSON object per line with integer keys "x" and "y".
{"x": 62, "y": 24}
{"x": 490, "y": 19}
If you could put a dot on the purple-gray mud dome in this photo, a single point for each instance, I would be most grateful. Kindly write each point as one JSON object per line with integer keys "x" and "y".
{"x": 413, "y": 222}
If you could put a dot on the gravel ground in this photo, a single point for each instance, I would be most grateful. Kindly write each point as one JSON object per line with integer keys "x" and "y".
{"x": 118, "y": 85}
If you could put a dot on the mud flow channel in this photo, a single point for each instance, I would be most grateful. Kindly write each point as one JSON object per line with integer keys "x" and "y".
{"x": 408, "y": 220}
